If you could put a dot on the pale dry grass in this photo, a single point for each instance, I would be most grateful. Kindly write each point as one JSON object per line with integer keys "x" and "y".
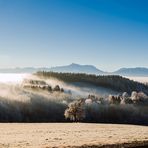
{"x": 36, "y": 135}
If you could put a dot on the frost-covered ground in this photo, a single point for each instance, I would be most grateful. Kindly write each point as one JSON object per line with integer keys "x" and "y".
{"x": 43, "y": 135}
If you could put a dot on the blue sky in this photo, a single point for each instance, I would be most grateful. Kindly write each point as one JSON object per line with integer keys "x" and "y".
{"x": 109, "y": 34}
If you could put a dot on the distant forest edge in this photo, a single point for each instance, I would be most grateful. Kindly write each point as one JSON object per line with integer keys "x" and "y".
{"x": 114, "y": 82}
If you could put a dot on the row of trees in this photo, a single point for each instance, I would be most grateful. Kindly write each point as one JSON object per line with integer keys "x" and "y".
{"x": 41, "y": 85}
{"x": 91, "y": 109}
{"x": 119, "y": 106}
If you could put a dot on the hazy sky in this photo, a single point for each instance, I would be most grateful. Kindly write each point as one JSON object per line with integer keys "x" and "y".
{"x": 106, "y": 33}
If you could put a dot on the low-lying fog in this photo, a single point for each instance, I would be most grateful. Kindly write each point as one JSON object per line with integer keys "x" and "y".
{"x": 139, "y": 79}
{"x": 12, "y": 78}
{"x": 11, "y": 87}
{"x": 20, "y": 102}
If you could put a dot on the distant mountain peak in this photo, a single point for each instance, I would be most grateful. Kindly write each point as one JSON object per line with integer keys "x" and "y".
{"x": 79, "y": 65}
{"x": 77, "y": 68}
{"x": 74, "y": 64}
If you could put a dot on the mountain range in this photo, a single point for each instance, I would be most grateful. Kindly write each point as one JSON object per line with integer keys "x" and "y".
{"x": 77, "y": 68}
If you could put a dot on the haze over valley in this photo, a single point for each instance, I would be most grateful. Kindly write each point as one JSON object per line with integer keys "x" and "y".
{"x": 77, "y": 68}
{"x": 73, "y": 73}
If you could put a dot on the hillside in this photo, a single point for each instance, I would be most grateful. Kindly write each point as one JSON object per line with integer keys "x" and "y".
{"x": 113, "y": 82}
{"x": 44, "y": 98}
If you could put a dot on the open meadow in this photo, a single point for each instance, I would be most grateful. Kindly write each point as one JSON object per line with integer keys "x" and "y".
{"x": 46, "y": 135}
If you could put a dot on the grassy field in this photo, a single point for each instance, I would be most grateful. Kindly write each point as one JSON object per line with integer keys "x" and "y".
{"x": 46, "y": 135}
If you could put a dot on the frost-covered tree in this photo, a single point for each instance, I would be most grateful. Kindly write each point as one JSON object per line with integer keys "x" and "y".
{"x": 125, "y": 95}
{"x": 134, "y": 96}
{"x": 126, "y": 99}
{"x": 75, "y": 111}
{"x": 139, "y": 97}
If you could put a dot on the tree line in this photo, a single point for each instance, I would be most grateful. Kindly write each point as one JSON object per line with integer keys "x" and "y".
{"x": 114, "y": 82}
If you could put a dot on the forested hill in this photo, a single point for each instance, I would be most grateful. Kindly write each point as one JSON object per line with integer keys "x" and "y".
{"x": 113, "y": 82}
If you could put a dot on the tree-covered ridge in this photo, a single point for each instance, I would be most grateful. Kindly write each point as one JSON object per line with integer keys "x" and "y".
{"x": 114, "y": 82}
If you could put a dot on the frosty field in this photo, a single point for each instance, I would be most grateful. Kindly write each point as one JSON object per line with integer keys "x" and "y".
{"x": 43, "y": 135}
